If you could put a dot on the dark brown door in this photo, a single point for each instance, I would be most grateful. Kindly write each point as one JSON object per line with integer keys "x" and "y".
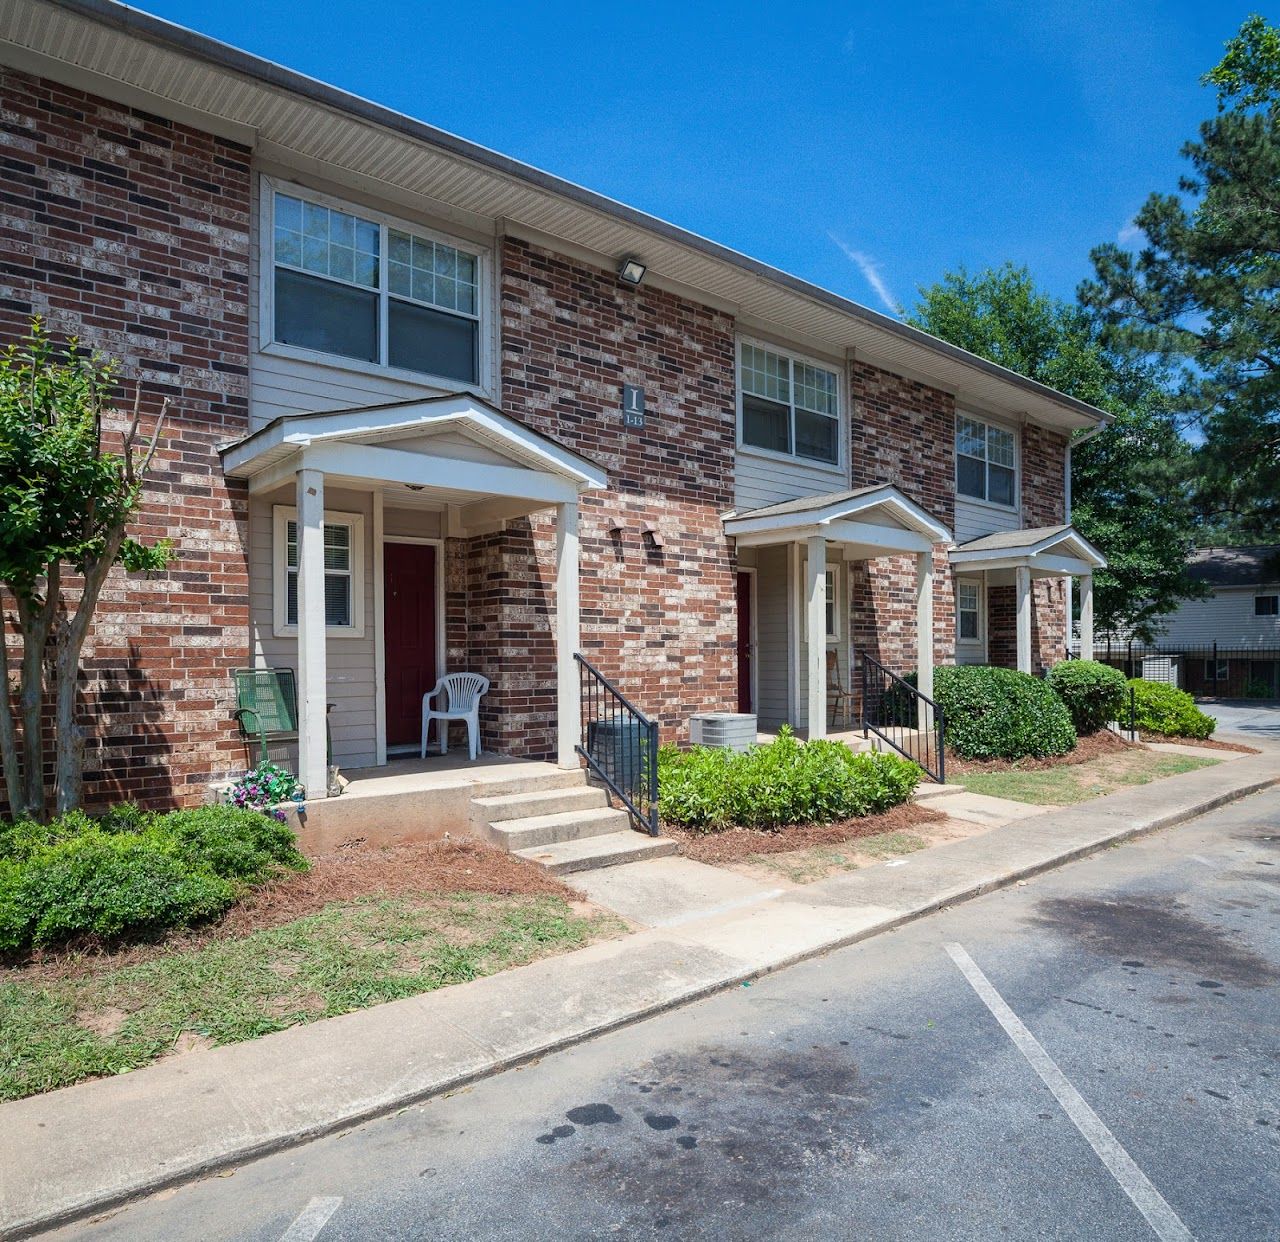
{"x": 746, "y": 652}
{"x": 409, "y": 627}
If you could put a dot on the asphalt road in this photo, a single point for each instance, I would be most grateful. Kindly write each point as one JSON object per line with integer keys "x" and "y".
{"x": 1125, "y": 1060}
{"x": 1252, "y": 719}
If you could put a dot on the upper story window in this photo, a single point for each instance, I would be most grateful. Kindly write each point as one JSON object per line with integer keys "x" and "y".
{"x": 986, "y": 462}
{"x": 353, "y": 286}
{"x": 1266, "y": 605}
{"x": 789, "y": 405}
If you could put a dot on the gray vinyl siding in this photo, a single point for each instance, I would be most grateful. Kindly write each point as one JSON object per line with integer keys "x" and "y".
{"x": 975, "y": 519}
{"x": 350, "y": 660}
{"x": 762, "y": 480}
{"x": 773, "y": 661}
{"x": 1225, "y": 618}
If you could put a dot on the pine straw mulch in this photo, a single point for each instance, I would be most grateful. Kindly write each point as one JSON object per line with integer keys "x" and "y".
{"x": 737, "y": 844}
{"x": 1092, "y": 746}
{"x": 355, "y": 871}
{"x": 1208, "y": 743}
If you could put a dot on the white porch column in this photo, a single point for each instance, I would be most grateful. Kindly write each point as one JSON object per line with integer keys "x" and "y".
{"x": 1086, "y": 616}
{"x": 924, "y": 622}
{"x": 1022, "y": 575}
{"x": 568, "y": 638}
{"x": 313, "y": 764}
{"x": 816, "y": 633}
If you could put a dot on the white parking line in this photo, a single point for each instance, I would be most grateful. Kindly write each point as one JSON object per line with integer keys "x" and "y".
{"x": 313, "y": 1218}
{"x": 1146, "y": 1198}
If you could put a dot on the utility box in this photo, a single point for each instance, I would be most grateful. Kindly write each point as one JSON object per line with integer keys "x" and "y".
{"x": 726, "y": 730}
{"x": 1166, "y": 668}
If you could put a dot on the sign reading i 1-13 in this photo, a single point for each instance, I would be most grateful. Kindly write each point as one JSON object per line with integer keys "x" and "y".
{"x": 632, "y": 406}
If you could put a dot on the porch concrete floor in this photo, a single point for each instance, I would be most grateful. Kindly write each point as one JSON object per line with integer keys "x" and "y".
{"x": 414, "y": 775}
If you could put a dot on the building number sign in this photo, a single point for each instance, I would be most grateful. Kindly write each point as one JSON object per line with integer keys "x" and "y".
{"x": 632, "y": 406}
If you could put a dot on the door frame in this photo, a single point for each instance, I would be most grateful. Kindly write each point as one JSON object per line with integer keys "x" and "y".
{"x": 381, "y": 539}
{"x": 754, "y": 638}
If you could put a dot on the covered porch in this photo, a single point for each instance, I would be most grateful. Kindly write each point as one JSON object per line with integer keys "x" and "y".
{"x": 369, "y": 631}
{"x": 802, "y": 555}
{"x": 1020, "y": 558}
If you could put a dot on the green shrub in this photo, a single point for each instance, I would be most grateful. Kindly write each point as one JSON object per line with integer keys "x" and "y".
{"x": 232, "y": 843}
{"x": 996, "y": 713}
{"x": 108, "y": 884}
{"x": 784, "y": 782}
{"x": 1094, "y": 693}
{"x": 132, "y": 871}
{"x": 1162, "y": 708}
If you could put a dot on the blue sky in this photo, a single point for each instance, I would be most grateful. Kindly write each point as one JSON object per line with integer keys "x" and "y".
{"x": 866, "y": 146}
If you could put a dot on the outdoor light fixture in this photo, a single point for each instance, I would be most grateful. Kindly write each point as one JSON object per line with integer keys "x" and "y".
{"x": 632, "y": 270}
{"x": 652, "y": 536}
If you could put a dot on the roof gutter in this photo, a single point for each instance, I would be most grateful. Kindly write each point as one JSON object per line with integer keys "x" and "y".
{"x": 168, "y": 35}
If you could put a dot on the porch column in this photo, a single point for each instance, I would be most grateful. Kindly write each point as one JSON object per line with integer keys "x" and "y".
{"x": 1022, "y": 575}
{"x": 924, "y": 622}
{"x": 568, "y": 637}
{"x": 816, "y": 632}
{"x": 1086, "y": 616}
{"x": 313, "y": 763}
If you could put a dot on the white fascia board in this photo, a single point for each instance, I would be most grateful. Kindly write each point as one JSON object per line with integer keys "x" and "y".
{"x": 381, "y": 465}
{"x": 888, "y": 497}
{"x": 1040, "y": 564}
{"x": 888, "y": 540}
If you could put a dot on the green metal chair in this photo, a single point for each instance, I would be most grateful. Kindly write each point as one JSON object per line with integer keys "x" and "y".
{"x": 267, "y": 708}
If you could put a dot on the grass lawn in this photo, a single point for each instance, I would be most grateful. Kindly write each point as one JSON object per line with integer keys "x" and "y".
{"x": 1071, "y": 783}
{"x": 90, "y": 1017}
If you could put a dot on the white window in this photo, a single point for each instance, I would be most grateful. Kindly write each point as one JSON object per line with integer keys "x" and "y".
{"x": 343, "y": 572}
{"x": 969, "y": 611}
{"x": 1266, "y": 605}
{"x": 833, "y": 611}
{"x": 986, "y": 462}
{"x": 348, "y": 284}
{"x": 789, "y": 405}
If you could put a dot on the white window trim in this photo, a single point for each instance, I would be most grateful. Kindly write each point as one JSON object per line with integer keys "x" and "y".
{"x": 485, "y": 382}
{"x": 833, "y": 602}
{"x": 980, "y": 640}
{"x": 281, "y": 516}
{"x": 841, "y": 465}
{"x": 987, "y": 421}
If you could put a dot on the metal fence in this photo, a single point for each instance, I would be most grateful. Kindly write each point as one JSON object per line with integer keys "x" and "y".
{"x": 1211, "y": 670}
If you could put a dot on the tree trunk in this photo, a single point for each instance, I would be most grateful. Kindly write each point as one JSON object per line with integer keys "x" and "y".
{"x": 10, "y": 764}
{"x": 69, "y": 760}
{"x": 34, "y": 622}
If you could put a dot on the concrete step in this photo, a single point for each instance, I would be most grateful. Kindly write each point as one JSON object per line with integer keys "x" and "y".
{"x": 596, "y": 852}
{"x": 928, "y": 790}
{"x": 539, "y": 802}
{"x": 537, "y": 830}
{"x": 546, "y": 777}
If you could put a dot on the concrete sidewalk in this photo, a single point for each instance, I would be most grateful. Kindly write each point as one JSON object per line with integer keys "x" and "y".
{"x": 85, "y": 1148}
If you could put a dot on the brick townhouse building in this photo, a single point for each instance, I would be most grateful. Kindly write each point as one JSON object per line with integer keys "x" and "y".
{"x": 433, "y": 409}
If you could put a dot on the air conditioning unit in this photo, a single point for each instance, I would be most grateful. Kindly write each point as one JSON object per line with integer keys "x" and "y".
{"x": 727, "y": 730}
{"x": 1166, "y": 668}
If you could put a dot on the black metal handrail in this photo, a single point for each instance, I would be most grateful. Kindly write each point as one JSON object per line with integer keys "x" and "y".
{"x": 892, "y": 709}
{"x": 620, "y": 744}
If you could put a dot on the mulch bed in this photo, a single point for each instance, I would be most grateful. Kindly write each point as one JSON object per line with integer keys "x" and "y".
{"x": 1207, "y": 743}
{"x": 1092, "y": 746}
{"x": 737, "y": 844}
{"x": 420, "y": 868}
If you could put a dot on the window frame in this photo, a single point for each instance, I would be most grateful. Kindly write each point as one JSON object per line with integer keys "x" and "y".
{"x": 840, "y": 465}
{"x": 281, "y": 516}
{"x": 484, "y": 383}
{"x": 832, "y": 588}
{"x": 979, "y": 639}
{"x": 987, "y": 422}
{"x": 1272, "y": 611}
{"x": 1217, "y": 674}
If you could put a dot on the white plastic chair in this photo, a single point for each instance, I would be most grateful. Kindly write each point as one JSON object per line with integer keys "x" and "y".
{"x": 462, "y": 695}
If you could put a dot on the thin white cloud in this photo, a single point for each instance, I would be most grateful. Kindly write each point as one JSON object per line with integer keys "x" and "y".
{"x": 870, "y": 270}
{"x": 1130, "y": 234}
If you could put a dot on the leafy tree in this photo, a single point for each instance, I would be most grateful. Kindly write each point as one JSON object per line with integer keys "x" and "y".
{"x": 1129, "y": 495}
{"x": 65, "y": 506}
{"x": 1200, "y": 295}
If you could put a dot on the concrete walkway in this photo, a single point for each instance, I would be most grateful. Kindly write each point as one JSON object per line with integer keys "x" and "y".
{"x": 84, "y": 1148}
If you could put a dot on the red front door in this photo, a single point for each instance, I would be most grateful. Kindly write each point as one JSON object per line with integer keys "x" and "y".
{"x": 409, "y": 627}
{"x": 746, "y": 652}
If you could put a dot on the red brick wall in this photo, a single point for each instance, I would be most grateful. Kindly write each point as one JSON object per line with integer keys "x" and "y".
{"x": 132, "y": 232}
{"x": 903, "y": 433}
{"x": 1048, "y": 624}
{"x": 1044, "y": 455}
{"x": 660, "y": 621}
